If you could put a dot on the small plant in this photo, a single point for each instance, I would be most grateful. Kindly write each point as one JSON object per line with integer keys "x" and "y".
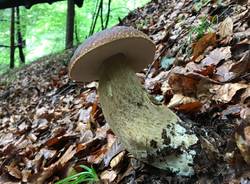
{"x": 200, "y": 4}
{"x": 201, "y": 29}
{"x": 197, "y": 32}
{"x": 89, "y": 176}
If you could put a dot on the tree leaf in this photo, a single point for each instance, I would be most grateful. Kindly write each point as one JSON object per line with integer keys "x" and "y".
{"x": 202, "y": 44}
{"x": 226, "y": 27}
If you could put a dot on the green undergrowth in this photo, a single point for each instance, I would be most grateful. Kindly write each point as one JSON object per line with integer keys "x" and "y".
{"x": 87, "y": 176}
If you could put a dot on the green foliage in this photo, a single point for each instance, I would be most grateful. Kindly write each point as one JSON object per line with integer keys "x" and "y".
{"x": 43, "y": 26}
{"x": 202, "y": 28}
{"x": 197, "y": 32}
{"x": 89, "y": 176}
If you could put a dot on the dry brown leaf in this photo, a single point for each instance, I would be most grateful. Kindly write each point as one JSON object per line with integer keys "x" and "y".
{"x": 97, "y": 156}
{"x": 231, "y": 110}
{"x": 245, "y": 98}
{"x": 242, "y": 137}
{"x": 117, "y": 159}
{"x": 245, "y": 114}
{"x": 207, "y": 71}
{"x": 210, "y": 149}
{"x": 183, "y": 84}
{"x": 189, "y": 83}
{"x": 190, "y": 107}
{"x": 202, "y": 44}
{"x": 14, "y": 171}
{"x": 179, "y": 99}
{"x": 241, "y": 66}
{"x": 226, "y": 27}
{"x": 224, "y": 93}
{"x": 216, "y": 56}
{"x": 239, "y": 50}
{"x": 49, "y": 171}
{"x": 108, "y": 176}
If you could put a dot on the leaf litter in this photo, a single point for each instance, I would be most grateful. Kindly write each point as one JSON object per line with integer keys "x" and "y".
{"x": 49, "y": 124}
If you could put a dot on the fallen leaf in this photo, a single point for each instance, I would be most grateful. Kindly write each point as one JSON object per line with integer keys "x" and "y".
{"x": 14, "y": 171}
{"x": 179, "y": 99}
{"x": 231, "y": 110}
{"x": 224, "y": 93}
{"x": 49, "y": 171}
{"x": 245, "y": 114}
{"x": 202, "y": 44}
{"x": 241, "y": 66}
{"x": 238, "y": 50}
{"x": 242, "y": 137}
{"x": 211, "y": 151}
{"x": 190, "y": 107}
{"x": 216, "y": 56}
{"x": 115, "y": 149}
{"x": 108, "y": 176}
{"x": 166, "y": 62}
{"x": 226, "y": 27}
{"x": 117, "y": 159}
{"x": 245, "y": 97}
{"x": 189, "y": 83}
{"x": 207, "y": 71}
{"x": 84, "y": 115}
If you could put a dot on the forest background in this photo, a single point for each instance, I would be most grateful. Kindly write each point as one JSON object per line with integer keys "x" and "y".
{"x": 43, "y": 27}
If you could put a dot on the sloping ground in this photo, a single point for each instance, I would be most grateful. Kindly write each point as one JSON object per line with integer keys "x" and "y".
{"x": 49, "y": 124}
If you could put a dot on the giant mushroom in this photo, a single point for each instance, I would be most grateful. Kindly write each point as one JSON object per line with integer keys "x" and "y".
{"x": 153, "y": 134}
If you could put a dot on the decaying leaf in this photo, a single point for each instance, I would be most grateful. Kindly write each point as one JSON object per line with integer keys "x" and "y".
{"x": 49, "y": 171}
{"x": 242, "y": 137}
{"x": 115, "y": 149}
{"x": 179, "y": 99}
{"x": 224, "y": 93}
{"x": 245, "y": 114}
{"x": 189, "y": 83}
{"x": 14, "y": 171}
{"x": 117, "y": 159}
{"x": 108, "y": 176}
{"x": 216, "y": 56}
{"x": 226, "y": 27}
{"x": 202, "y": 44}
{"x": 231, "y": 110}
{"x": 210, "y": 149}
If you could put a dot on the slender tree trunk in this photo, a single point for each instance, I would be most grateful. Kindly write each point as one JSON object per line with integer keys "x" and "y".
{"x": 12, "y": 38}
{"x": 108, "y": 14}
{"x": 93, "y": 18}
{"x": 19, "y": 37}
{"x": 76, "y": 32}
{"x": 101, "y": 9}
{"x": 70, "y": 24}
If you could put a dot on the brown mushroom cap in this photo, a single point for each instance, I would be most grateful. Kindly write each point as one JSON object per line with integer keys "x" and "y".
{"x": 87, "y": 59}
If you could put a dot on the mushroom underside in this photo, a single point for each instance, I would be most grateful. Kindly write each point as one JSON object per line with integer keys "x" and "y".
{"x": 151, "y": 133}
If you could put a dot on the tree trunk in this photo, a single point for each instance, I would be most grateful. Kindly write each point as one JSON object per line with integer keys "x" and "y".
{"x": 108, "y": 14}
{"x": 70, "y": 24}
{"x": 19, "y": 37}
{"x": 12, "y": 38}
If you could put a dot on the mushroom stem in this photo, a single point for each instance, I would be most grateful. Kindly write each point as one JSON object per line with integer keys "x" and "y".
{"x": 151, "y": 133}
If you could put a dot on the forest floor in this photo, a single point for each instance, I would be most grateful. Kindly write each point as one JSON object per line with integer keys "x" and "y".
{"x": 49, "y": 125}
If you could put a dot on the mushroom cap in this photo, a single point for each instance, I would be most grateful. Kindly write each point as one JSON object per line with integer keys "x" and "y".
{"x": 89, "y": 56}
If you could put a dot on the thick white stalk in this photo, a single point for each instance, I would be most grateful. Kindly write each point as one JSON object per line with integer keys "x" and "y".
{"x": 151, "y": 133}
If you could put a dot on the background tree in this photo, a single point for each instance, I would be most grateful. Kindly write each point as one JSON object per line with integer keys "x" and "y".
{"x": 12, "y": 38}
{"x": 70, "y": 24}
